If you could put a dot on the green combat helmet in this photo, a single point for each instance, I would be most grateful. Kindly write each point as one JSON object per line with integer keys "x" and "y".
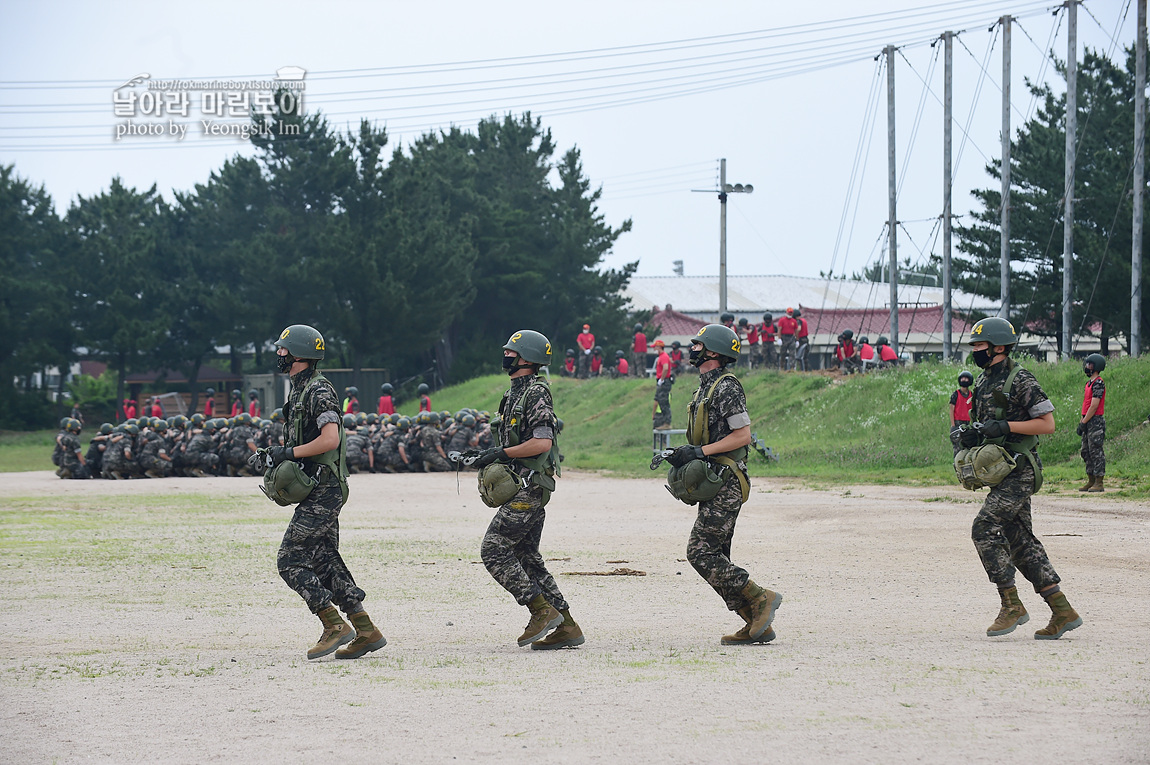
{"x": 105, "y": 429}
{"x": 73, "y": 426}
{"x": 278, "y": 415}
{"x": 719, "y": 339}
{"x": 994, "y": 330}
{"x": 349, "y": 421}
{"x": 302, "y": 341}
{"x": 1095, "y": 362}
{"x": 533, "y": 347}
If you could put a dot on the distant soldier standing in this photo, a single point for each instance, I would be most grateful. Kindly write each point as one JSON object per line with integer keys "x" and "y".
{"x": 209, "y": 403}
{"x": 639, "y": 352}
{"x": 767, "y": 330}
{"x": 788, "y": 326}
{"x": 960, "y": 402}
{"x": 309, "y": 560}
{"x": 1011, "y": 409}
{"x": 661, "y": 414}
{"x": 586, "y": 342}
{"x": 424, "y": 397}
{"x": 1092, "y": 426}
{"x": 386, "y": 405}
{"x": 510, "y": 550}
{"x": 254, "y": 403}
{"x": 718, "y": 432}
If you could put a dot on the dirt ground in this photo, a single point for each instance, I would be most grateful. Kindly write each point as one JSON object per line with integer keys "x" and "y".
{"x": 145, "y": 621}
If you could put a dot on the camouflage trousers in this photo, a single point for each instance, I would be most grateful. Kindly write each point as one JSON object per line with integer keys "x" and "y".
{"x": 202, "y": 460}
{"x": 709, "y": 548}
{"x": 71, "y": 468}
{"x": 119, "y": 464}
{"x": 1003, "y": 533}
{"x": 663, "y": 400}
{"x": 357, "y": 461}
{"x": 583, "y": 365}
{"x": 309, "y": 559}
{"x": 787, "y": 352}
{"x": 510, "y": 549}
{"x": 433, "y": 463}
{"x": 1092, "y": 452}
{"x": 756, "y": 355}
{"x": 638, "y": 364}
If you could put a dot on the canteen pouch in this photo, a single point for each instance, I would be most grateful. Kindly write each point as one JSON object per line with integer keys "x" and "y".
{"x": 986, "y": 465}
{"x": 694, "y": 482}
{"x": 498, "y": 484}
{"x": 287, "y": 484}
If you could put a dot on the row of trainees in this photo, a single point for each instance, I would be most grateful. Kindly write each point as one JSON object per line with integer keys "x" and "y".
{"x": 622, "y": 367}
{"x": 386, "y": 404}
{"x": 854, "y": 358}
{"x": 153, "y": 447}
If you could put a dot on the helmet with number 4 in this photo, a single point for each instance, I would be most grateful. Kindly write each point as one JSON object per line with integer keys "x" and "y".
{"x": 533, "y": 347}
{"x": 994, "y": 330}
{"x": 302, "y": 341}
{"x": 719, "y": 339}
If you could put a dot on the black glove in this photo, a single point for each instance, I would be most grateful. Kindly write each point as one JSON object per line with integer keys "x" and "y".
{"x": 684, "y": 454}
{"x": 1081, "y": 430}
{"x": 992, "y": 428}
{"x": 969, "y": 438}
{"x": 278, "y": 454}
{"x": 488, "y": 456}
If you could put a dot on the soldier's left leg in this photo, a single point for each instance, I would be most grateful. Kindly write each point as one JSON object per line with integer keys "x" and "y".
{"x": 988, "y": 532}
{"x": 527, "y": 552}
{"x": 1093, "y": 452}
{"x": 1026, "y": 550}
{"x": 709, "y": 548}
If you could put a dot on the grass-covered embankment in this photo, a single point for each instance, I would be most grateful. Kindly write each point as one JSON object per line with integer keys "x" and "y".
{"x": 888, "y": 427}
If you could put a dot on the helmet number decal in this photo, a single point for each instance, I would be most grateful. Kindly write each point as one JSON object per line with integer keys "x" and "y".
{"x": 735, "y": 344}
{"x": 701, "y": 331}
{"x": 516, "y": 336}
{"x": 978, "y": 329}
{"x": 285, "y": 333}
{"x": 319, "y": 344}
{"x": 548, "y": 349}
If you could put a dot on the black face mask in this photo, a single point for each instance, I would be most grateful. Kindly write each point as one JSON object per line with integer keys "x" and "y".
{"x": 283, "y": 363}
{"x": 509, "y": 364}
{"x": 982, "y": 358}
{"x": 696, "y": 357}
{"x": 1088, "y": 371}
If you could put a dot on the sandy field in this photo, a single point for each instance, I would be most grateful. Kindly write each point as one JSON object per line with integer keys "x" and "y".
{"x": 145, "y": 622}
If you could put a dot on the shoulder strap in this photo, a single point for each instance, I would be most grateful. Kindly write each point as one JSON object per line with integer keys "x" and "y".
{"x": 698, "y": 430}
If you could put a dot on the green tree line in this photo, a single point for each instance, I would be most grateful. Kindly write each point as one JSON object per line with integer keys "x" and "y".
{"x": 1103, "y": 211}
{"x": 423, "y": 256}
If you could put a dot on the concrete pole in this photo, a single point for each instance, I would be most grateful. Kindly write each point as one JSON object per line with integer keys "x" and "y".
{"x": 1139, "y": 182}
{"x": 947, "y": 123}
{"x": 1068, "y": 187}
{"x": 1004, "y": 256}
{"x": 892, "y": 186}
{"x": 722, "y": 236}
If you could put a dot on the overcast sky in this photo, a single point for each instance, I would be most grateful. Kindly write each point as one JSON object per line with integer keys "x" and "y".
{"x": 652, "y": 93}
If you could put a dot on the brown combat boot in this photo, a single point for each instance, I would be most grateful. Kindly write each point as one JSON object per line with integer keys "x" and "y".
{"x": 1097, "y": 484}
{"x": 544, "y": 618}
{"x": 762, "y": 604}
{"x": 743, "y": 636}
{"x": 336, "y": 632}
{"x": 1012, "y": 614}
{"x": 1063, "y": 618}
{"x": 368, "y": 638}
{"x": 1088, "y": 483}
{"x": 566, "y": 635}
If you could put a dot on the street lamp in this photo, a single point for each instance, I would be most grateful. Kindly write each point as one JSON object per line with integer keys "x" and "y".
{"x": 724, "y": 189}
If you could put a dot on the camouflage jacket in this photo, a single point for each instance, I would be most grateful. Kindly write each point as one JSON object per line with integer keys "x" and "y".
{"x": 320, "y": 408}
{"x": 727, "y": 410}
{"x": 1027, "y": 400}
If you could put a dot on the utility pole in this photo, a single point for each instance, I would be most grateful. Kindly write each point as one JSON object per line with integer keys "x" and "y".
{"x": 1004, "y": 289}
{"x": 947, "y": 121}
{"x": 723, "y": 235}
{"x": 1139, "y": 182}
{"x": 892, "y": 184}
{"x": 1068, "y": 207}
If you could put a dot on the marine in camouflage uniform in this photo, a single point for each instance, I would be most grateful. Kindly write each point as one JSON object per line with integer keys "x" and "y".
{"x": 71, "y": 462}
{"x": 431, "y": 446}
{"x": 199, "y": 455}
{"x": 510, "y": 548}
{"x": 118, "y": 458}
{"x": 1003, "y": 532}
{"x": 154, "y": 458}
{"x": 728, "y": 426}
{"x": 1092, "y": 425}
{"x": 308, "y": 559}
{"x": 239, "y": 446}
{"x": 357, "y": 447}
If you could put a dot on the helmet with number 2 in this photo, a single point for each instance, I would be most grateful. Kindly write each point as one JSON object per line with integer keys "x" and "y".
{"x": 302, "y": 341}
{"x": 719, "y": 339}
{"x": 532, "y": 346}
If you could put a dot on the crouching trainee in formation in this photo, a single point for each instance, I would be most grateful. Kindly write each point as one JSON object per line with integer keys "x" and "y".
{"x": 712, "y": 472}
{"x": 310, "y": 469}
{"x": 517, "y": 475}
{"x": 1009, "y": 411}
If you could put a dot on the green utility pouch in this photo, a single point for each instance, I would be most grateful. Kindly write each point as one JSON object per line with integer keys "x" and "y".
{"x": 498, "y": 483}
{"x": 287, "y": 484}
{"x": 986, "y": 465}
{"x": 694, "y": 482}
